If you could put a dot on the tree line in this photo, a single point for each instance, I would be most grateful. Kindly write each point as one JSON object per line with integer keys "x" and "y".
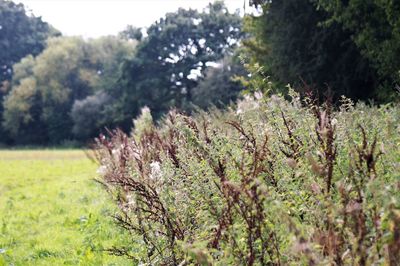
{"x": 57, "y": 88}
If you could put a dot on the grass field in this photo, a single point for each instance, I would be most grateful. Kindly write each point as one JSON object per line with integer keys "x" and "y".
{"x": 52, "y": 212}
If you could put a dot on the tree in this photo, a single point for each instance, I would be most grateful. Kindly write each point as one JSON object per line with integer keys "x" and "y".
{"x": 89, "y": 115}
{"x": 168, "y": 62}
{"x": 20, "y": 35}
{"x": 22, "y": 113}
{"x": 68, "y": 70}
{"x": 218, "y": 87}
{"x": 375, "y": 29}
{"x": 131, "y": 33}
{"x": 292, "y": 45}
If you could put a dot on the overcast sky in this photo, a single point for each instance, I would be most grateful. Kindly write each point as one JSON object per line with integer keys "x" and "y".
{"x": 93, "y": 18}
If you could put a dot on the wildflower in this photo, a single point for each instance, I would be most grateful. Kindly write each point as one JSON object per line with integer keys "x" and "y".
{"x": 291, "y": 162}
{"x": 258, "y": 95}
{"x": 130, "y": 203}
{"x": 315, "y": 188}
{"x": 116, "y": 154}
{"x": 145, "y": 110}
{"x": 131, "y": 199}
{"x": 155, "y": 171}
{"x": 102, "y": 170}
{"x": 353, "y": 206}
{"x": 248, "y": 98}
{"x": 275, "y": 99}
{"x": 248, "y": 103}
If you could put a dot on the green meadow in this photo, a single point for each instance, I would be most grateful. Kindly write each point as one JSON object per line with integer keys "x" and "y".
{"x": 52, "y": 212}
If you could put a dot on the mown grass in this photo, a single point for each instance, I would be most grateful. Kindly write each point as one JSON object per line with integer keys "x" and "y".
{"x": 52, "y": 212}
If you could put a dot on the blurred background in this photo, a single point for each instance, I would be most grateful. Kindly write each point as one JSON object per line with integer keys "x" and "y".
{"x": 70, "y": 69}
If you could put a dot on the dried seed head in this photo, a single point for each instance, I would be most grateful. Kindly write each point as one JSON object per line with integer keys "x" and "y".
{"x": 291, "y": 162}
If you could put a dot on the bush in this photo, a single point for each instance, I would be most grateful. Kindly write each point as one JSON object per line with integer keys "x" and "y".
{"x": 88, "y": 115}
{"x": 271, "y": 182}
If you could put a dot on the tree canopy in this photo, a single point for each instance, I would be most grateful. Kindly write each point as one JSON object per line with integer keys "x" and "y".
{"x": 375, "y": 29}
{"x": 46, "y": 87}
{"x": 293, "y": 45}
{"x": 170, "y": 60}
{"x": 219, "y": 85}
{"x": 58, "y": 88}
{"x": 20, "y": 35}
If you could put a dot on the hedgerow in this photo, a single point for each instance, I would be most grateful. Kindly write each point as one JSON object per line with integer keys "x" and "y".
{"x": 268, "y": 182}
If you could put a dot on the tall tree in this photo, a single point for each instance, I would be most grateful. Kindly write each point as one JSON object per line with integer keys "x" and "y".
{"x": 45, "y": 88}
{"x": 292, "y": 45}
{"x": 131, "y": 33}
{"x": 20, "y": 35}
{"x": 375, "y": 29}
{"x": 177, "y": 50}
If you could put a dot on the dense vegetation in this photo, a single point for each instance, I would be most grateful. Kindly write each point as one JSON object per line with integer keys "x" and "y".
{"x": 350, "y": 47}
{"x": 270, "y": 182}
{"x": 69, "y": 89}
{"x": 50, "y": 92}
{"x": 20, "y": 35}
{"x": 169, "y": 62}
{"x": 234, "y": 158}
{"x": 75, "y": 88}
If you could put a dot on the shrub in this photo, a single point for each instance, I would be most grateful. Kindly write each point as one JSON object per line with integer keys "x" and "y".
{"x": 88, "y": 115}
{"x": 272, "y": 182}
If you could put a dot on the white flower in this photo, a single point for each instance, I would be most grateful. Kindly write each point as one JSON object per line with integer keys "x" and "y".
{"x": 248, "y": 98}
{"x": 275, "y": 98}
{"x": 155, "y": 171}
{"x": 145, "y": 110}
{"x": 247, "y": 104}
{"x": 102, "y": 170}
{"x": 130, "y": 201}
{"x": 116, "y": 154}
{"x": 258, "y": 95}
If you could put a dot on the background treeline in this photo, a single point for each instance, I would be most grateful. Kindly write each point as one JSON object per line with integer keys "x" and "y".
{"x": 351, "y": 46}
{"x": 56, "y": 89}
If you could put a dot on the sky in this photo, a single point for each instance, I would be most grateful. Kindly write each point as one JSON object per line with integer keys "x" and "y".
{"x": 94, "y": 18}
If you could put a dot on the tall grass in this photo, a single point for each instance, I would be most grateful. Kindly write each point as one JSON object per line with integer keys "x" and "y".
{"x": 269, "y": 182}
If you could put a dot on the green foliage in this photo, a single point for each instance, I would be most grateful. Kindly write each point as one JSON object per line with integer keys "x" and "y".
{"x": 20, "y": 35}
{"x": 89, "y": 116}
{"x": 293, "y": 44}
{"x": 177, "y": 50}
{"x": 52, "y": 212}
{"x": 271, "y": 182}
{"x": 219, "y": 87}
{"x": 46, "y": 87}
{"x": 22, "y": 113}
{"x": 131, "y": 33}
{"x": 76, "y": 88}
{"x": 375, "y": 29}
